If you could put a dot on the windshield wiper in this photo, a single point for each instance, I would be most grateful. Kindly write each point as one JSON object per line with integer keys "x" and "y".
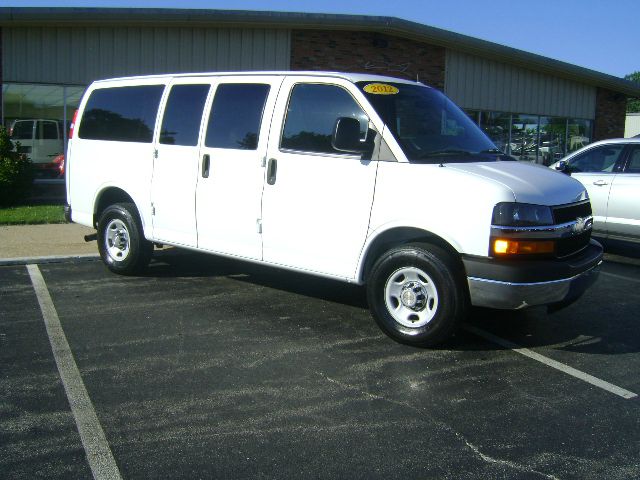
{"x": 445, "y": 152}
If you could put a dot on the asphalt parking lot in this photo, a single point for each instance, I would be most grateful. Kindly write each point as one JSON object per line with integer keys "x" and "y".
{"x": 209, "y": 368}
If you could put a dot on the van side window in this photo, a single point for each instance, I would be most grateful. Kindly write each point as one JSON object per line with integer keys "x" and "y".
{"x": 122, "y": 114}
{"x": 235, "y": 117}
{"x": 49, "y": 130}
{"x": 22, "y": 130}
{"x": 312, "y": 114}
{"x": 182, "y": 115}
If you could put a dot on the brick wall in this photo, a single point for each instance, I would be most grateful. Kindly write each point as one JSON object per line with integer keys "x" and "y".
{"x": 366, "y": 52}
{"x": 610, "y": 114}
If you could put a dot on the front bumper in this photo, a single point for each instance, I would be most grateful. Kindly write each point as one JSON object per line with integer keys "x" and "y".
{"x": 514, "y": 285}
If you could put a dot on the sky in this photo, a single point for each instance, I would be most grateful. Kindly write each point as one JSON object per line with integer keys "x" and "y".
{"x": 602, "y": 35}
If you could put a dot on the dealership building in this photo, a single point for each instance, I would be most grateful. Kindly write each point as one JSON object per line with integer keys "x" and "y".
{"x": 533, "y": 107}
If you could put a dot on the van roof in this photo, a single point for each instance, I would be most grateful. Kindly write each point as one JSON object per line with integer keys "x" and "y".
{"x": 352, "y": 77}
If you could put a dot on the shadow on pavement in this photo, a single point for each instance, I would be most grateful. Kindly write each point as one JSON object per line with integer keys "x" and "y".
{"x": 602, "y": 322}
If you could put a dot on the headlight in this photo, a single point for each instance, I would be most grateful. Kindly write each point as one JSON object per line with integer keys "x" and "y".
{"x": 506, "y": 238}
{"x": 510, "y": 214}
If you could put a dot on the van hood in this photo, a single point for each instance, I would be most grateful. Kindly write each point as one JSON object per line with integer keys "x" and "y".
{"x": 529, "y": 183}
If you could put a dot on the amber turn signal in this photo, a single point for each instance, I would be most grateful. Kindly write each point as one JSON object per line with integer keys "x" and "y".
{"x": 502, "y": 246}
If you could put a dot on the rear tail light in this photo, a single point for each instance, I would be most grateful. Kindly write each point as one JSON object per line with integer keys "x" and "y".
{"x": 73, "y": 124}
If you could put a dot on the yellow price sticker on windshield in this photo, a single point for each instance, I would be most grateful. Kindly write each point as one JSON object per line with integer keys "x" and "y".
{"x": 381, "y": 89}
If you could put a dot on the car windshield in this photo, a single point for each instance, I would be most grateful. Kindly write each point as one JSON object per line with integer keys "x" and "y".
{"x": 428, "y": 126}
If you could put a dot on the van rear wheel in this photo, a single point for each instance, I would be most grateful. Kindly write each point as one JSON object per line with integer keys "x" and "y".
{"x": 417, "y": 294}
{"x": 121, "y": 241}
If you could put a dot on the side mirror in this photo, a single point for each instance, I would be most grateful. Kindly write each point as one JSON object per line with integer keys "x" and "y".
{"x": 346, "y": 136}
{"x": 563, "y": 167}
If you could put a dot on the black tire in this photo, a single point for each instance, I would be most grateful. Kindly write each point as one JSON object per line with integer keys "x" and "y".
{"x": 417, "y": 294}
{"x": 121, "y": 241}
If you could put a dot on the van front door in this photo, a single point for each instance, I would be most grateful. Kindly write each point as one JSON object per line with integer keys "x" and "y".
{"x": 175, "y": 167}
{"x": 317, "y": 200}
{"x": 231, "y": 172}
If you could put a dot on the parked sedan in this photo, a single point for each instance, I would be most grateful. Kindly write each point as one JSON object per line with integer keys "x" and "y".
{"x": 610, "y": 171}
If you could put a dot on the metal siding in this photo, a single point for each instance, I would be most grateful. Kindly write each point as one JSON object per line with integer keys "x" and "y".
{"x": 79, "y": 55}
{"x": 483, "y": 84}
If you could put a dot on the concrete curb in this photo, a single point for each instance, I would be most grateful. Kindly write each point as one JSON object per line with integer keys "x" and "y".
{"x": 5, "y": 262}
{"x": 613, "y": 258}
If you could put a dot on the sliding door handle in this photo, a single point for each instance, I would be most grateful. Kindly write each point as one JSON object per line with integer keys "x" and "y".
{"x": 206, "y": 163}
{"x": 272, "y": 170}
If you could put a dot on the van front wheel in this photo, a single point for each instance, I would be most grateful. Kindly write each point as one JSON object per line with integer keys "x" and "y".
{"x": 121, "y": 241}
{"x": 417, "y": 295}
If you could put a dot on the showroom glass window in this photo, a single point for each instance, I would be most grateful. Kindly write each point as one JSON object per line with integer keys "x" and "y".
{"x": 474, "y": 115}
{"x": 182, "y": 115}
{"x": 579, "y": 134}
{"x": 307, "y": 132}
{"x": 123, "y": 114}
{"x": 552, "y": 139}
{"x": 541, "y": 139}
{"x": 497, "y": 127}
{"x": 24, "y": 104}
{"x": 236, "y": 115}
{"x": 524, "y": 137}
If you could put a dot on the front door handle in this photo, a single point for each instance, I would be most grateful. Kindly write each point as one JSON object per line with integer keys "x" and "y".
{"x": 206, "y": 163}
{"x": 600, "y": 183}
{"x": 272, "y": 170}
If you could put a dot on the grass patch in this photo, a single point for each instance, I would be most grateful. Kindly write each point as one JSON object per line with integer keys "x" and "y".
{"x": 32, "y": 215}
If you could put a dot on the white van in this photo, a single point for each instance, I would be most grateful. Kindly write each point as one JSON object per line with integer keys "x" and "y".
{"x": 366, "y": 179}
{"x": 39, "y": 139}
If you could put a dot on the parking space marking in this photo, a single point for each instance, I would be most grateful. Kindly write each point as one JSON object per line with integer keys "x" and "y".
{"x": 585, "y": 377}
{"x": 103, "y": 465}
{"x": 621, "y": 277}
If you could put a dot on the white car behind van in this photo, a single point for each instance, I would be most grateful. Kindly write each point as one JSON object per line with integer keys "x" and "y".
{"x": 366, "y": 179}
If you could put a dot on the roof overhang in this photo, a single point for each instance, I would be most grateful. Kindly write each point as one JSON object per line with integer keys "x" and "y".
{"x": 22, "y": 16}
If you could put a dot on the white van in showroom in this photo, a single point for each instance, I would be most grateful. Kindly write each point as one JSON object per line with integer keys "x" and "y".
{"x": 366, "y": 179}
{"x": 40, "y": 140}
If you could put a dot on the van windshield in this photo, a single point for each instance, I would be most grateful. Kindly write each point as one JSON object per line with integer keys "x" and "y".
{"x": 429, "y": 127}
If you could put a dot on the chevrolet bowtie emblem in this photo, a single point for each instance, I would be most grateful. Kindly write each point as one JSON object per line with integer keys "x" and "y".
{"x": 580, "y": 225}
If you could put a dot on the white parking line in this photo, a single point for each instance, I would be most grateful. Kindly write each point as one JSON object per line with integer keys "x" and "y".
{"x": 101, "y": 461}
{"x": 621, "y": 277}
{"x": 609, "y": 387}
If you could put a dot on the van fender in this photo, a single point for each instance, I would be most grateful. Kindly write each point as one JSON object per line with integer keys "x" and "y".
{"x": 110, "y": 193}
{"x": 392, "y": 234}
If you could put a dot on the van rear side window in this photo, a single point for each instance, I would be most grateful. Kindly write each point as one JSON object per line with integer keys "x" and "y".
{"x": 48, "y": 130}
{"x": 123, "y": 114}
{"x": 235, "y": 117}
{"x": 182, "y": 115}
{"x": 22, "y": 130}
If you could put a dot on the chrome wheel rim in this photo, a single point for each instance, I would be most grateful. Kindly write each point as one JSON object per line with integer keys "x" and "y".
{"x": 411, "y": 297}
{"x": 116, "y": 239}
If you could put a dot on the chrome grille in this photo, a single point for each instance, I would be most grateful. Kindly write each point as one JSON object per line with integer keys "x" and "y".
{"x": 570, "y": 213}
